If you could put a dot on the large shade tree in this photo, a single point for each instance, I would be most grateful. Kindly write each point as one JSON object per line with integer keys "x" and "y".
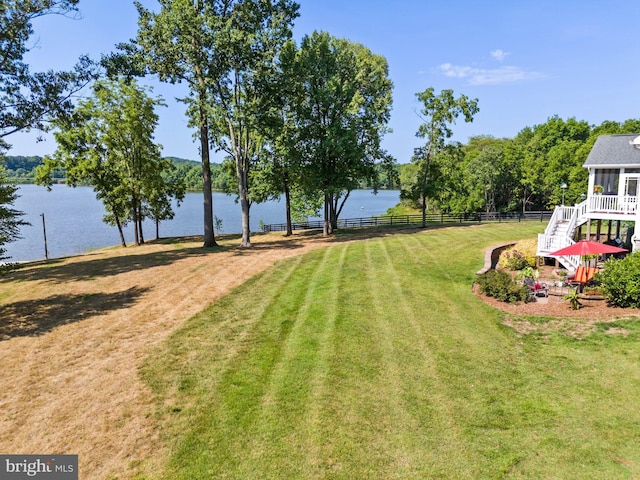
{"x": 340, "y": 103}
{"x": 178, "y": 45}
{"x": 29, "y": 100}
{"x": 439, "y": 112}
{"x": 219, "y": 48}
{"x": 249, "y": 39}
{"x": 109, "y": 144}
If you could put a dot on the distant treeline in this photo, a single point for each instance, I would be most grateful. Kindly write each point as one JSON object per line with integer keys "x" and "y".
{"x": 542, "y": 166}
{"x": 21, "y": 169}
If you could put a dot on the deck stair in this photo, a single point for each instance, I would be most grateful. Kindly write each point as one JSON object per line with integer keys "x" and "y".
{"x": 560, "y": 232}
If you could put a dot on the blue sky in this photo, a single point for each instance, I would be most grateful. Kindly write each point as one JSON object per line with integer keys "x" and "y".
{"x": 525, "y": 61}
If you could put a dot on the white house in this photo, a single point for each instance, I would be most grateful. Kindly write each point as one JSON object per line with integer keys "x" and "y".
{"x": 612, "y": 198}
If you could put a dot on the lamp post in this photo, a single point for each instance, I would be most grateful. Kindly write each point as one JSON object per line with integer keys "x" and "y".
{"x": 563, "y": 186}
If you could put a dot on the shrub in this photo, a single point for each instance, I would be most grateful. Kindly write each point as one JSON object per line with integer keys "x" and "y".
{"x": 620, "y": 281}
{"x": 574, "y": 299}
{"x": 513, "y": 259}
{"x": 521, "y": 255}
{"x": 528, "y": 248}
{"x": 500, "y": 285}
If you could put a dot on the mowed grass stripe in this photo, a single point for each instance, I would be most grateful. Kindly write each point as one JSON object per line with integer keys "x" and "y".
{"x": 468, "y": 347}
{"x": 391, "y": 368}
{"x": 352, "y": 415}
{"x": 297, "y": 384}
{"x": 442, "y": 337}
{"x": 221, "y": 371}
{"x": 264, "y": 447}
{"x": 424, "y": 423}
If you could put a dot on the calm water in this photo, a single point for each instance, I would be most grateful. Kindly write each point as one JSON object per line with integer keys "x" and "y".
{"x": 73, "y": 218}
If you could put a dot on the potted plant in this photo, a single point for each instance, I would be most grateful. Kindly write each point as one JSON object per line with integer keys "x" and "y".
{"x": 598, "y": 189}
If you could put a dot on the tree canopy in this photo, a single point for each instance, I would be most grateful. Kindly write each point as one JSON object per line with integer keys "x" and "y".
{"x": 29, "y": 100}
{"x": 339, "y": 104}
{"x": 439, "y": 112}
{"x": 109, "y": 144}
{"x": 520, "y": 173}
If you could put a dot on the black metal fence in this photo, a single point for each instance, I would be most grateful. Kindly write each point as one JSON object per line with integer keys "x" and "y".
{"x": 416, "y": 220}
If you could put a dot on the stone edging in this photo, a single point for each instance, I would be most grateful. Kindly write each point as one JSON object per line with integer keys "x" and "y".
{"x": 491, "y": 256}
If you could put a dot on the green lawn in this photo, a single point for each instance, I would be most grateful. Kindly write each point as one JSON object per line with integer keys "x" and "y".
{"x": 373, "y": 360}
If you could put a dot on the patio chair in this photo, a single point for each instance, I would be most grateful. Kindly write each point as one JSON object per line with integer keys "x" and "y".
{"x": 583, "y": 276}
{"x": 537, "y": 289}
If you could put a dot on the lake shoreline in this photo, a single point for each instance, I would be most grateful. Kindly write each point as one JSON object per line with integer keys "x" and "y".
{"x": 72, "y": 219}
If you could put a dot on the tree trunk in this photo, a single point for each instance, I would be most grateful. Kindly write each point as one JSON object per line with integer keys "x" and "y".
{"x": 136, "y": 239}
{"x": 287, "y": 198}
{"x": 245, "y": 205}
{"x": 337, "y": 210}
{"x": 425, "y": 180}
{"x": 119, "y": 225}
{"x": 157, "y": 229}
{"x": 326, "y": 227}
{"x": 333, "y": 215}
{"x": 141, "y": 234}
{"x": 209, "y": 235}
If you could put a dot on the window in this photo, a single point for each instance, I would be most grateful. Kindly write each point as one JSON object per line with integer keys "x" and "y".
{"x": 609, "y": 179}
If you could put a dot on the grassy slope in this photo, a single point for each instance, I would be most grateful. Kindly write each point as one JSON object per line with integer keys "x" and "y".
{"x": 374, "y": 360}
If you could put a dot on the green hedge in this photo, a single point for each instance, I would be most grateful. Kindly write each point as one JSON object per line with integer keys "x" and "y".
{"x": 620, "y": 281}
{"x": 500, "y": 285}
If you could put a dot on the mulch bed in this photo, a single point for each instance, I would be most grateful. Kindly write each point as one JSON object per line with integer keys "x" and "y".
{"x": 560, "y": 315}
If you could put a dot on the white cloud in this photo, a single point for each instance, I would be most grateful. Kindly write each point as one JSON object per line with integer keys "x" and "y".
{"x": 500, "y": 55}
{"x": 490, "y": 76}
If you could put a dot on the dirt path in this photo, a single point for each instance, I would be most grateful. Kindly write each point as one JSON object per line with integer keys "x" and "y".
{"x": 74, "y": 332}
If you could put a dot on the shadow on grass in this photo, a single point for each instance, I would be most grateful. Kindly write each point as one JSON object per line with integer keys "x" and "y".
{"x": 97, "y": 265}
{"x": 36, "y": 317}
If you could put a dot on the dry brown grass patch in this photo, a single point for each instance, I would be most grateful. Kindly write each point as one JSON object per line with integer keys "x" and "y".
{"x": 75, "y": 331}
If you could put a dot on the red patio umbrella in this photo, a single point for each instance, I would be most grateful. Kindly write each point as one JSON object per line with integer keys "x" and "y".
{"x": 587, "y": 247}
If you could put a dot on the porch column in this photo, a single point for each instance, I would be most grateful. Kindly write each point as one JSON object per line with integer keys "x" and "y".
{"x": 635, "y": 240}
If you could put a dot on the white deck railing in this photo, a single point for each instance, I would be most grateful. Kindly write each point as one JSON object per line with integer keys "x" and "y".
{"x": 551, "y": 240}
{"x": 625, "y": 204}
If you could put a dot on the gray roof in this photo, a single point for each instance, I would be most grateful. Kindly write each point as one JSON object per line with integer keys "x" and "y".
{"x": 613, "y": 151}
